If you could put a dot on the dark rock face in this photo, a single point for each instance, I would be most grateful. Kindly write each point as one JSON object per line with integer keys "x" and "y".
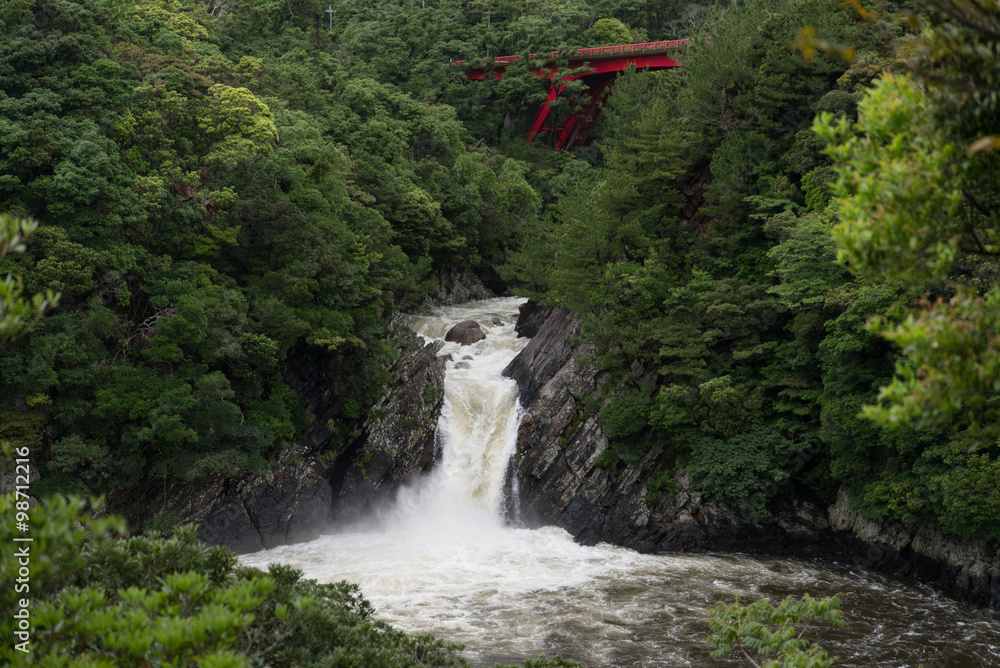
{"x": 560, "y": 484}
{"x": 456, "y": 286}
{"x": 964, "y": 568}
{"x": 545, "y": 355}
{"x": 400, "y": 435}
{"x": 288, "y": 505}
{"x": 291, "y": 502}
{"x": 530, "y": 317}
{"x": 489, "y": 277}
{"x": 465, "y": 333}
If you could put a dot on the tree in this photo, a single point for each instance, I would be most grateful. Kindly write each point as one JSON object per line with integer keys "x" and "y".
{"x": 763, "y": 628}
{"x": 919, "y": 206}
{"x": 609, "y": 32}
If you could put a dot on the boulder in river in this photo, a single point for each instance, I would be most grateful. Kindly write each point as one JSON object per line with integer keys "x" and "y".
{"x": 465, "y": 333}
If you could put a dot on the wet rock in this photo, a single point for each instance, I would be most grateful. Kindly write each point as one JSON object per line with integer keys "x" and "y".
{"x": 290, "y": 504}
{"x": 530, "y": 318}
{"x": 456, "y": 286}
{"x": 465, "y": 333}
{"x": 545, "y": 355}
{"x": 399, "y": 441}
{"x": 489, "y": 277}
{"x": 965, "y": 568}
{"x": 461, "y": 365}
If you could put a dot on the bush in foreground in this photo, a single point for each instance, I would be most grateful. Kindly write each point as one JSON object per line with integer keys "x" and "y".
{"x": 100, "y": 600}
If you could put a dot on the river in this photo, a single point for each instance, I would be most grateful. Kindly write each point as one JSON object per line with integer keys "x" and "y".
{"x": 442, "y": 561}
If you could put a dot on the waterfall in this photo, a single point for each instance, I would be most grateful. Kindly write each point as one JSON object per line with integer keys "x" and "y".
{"x": 441, "y": 560}
{"x": 477, "y": 431}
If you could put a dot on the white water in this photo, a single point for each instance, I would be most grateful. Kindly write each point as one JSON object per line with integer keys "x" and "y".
{"x": 442, "y": 562}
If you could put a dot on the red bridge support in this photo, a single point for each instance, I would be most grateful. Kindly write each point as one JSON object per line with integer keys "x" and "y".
{"x": 603, "y": 65}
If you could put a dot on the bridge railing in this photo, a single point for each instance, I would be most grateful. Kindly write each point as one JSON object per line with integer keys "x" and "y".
{"x": 608, "y": 51}
{"x": 604, "y": 51}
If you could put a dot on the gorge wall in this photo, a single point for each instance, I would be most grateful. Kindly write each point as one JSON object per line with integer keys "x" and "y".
{"x": 334, "y": 476}
{"x": 562, "y": 483}
{"x": 324, "y": 480}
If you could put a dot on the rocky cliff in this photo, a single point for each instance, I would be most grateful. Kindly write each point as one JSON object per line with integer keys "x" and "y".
{"x": 327, "y": 479}
{"x": 456, "y": 286}
{"x": 399, "y": 440}
{"x": 561, "y": 478}
{"x": 323, "y": 479}
{"x": 964, "y": 568}
{"x": 563, "y": 482}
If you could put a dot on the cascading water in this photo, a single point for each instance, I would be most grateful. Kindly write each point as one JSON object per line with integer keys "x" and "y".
{"x": 442, "y": 562}
{"x": 478, "y": 425}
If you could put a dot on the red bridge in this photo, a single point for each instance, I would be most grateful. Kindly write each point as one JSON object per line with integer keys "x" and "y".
{"x": 603, "y": 65}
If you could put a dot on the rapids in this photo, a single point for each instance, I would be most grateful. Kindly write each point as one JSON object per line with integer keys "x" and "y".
{"x": 442, "y": 561}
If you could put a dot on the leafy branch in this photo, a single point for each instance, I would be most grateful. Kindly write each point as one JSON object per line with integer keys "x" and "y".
{"x": 768, "y": 629}
{"x": 16, "y": 313}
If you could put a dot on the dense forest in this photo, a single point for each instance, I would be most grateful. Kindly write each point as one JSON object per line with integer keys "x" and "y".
{"x": 784, "y": 250}
{"x": 779, "y": 372}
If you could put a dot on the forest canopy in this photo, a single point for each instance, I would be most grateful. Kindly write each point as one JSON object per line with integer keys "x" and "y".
{"x": 224, "y": 186}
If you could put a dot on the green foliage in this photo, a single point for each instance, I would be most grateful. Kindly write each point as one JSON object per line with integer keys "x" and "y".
{"x": 896, "y": 156}
{"x": 804, "y": 260}
{"x": 244, "y": 123}
{"x": 971, "y": 499}
{"x": 102, "y": 601}
{"x": 13, "y": 12}
{"x": 658, "y": 485}
{"x": 742, "y": 472}
{"x": 205, "y": 631}
{"x": 735, "y": 301}
{"x": 917, "y": 195}
{"x": 225, "y": 193}
{"x": 765, "y": 628}
{"x": 917, "y": 201}
{"x": 609, "y": 31}
{"x": 951, "y": 371}
{"x": 626, "y": 415}
{"x": 955, "y": 56}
